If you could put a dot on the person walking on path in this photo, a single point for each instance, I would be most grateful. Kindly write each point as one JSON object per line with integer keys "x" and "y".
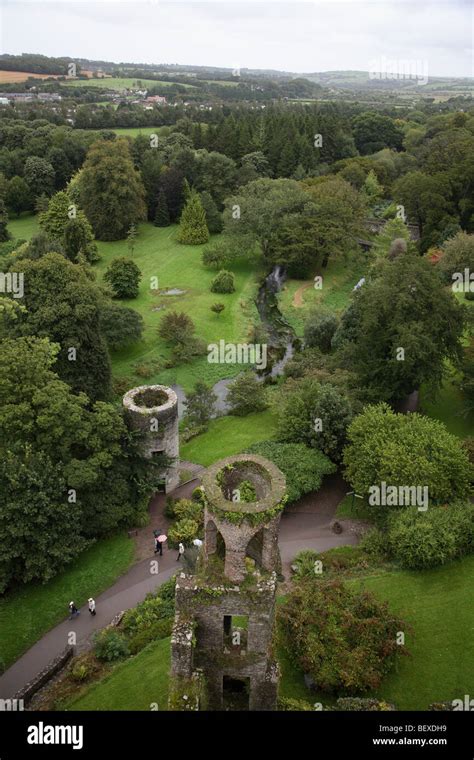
{"x": 91, "y": 604}
{"x": 158, "y": 543}
{"x": 180, "y": 551}
{"x": 73, "y": 611}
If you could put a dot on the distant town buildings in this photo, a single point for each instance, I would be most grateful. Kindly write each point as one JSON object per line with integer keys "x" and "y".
{"x": 27, "y": 97}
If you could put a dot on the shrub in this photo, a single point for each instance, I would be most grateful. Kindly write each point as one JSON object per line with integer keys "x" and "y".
{"x": 316, "y": 414}
{"x": 110, "y": 645}
{"x": 375, "y": 543}
{"x": 187, "y": 509}
{"x": 342, "y": 638}
{"x": 303, "y": 564}
{"x": 169, "y": 507}
{"x": 319, "y": 330}
{"x": 359, "y": 704}
{"x": 223, "y": 282}
{"x": 214, "y": 257}
{"x": 155, "y": 608}
{"x": 468, "y": 446}
{"x": 84, "y": 667}
{"x": 247, "y": 492}
{"x": 198, "y": 494}
{"x": 405, "y": 450}
{"x": 419, "y": 540}
{"x": 124, "y": 276}
{"x": 183, "y": 531}
{"x": 159, "y": 630}
{"x": 293, "y": 705}
{"x": 304, "y": 468}
{"x": 340, "y": 558}
{"x": 246, "y": 395}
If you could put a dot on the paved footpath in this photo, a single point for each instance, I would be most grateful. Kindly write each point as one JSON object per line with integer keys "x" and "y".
{"x": 305, "y": 525}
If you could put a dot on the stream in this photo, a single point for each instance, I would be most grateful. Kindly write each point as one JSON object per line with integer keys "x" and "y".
{"x": 280, "y": 345}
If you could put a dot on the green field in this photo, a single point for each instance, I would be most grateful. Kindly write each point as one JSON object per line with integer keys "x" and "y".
{"x": 23, "y": 227}
{"x": 179, "y": 266}
{"x": 136, "y": 684}
{"x": 157, "y": 254}
{"x": 439, "y": 605}
{"x": 139, "y": 131}
{"x": 30, "y": 611}
{"x": 117, "y": 83}
{"x": 339, "y": 279}
{"x": 229, "y": 435}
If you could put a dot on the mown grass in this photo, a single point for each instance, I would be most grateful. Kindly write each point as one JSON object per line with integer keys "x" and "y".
{"x": 140, "y": 683}
{"x": 23, "y": 227}
{"x": 229, "y": 435}
{"x": 338, "y": 282}
{"x": 141, "y": 131}
{"x": 158, "y": 255}
{"x": 30, "y": 611}
{"x": 439, "y": 605}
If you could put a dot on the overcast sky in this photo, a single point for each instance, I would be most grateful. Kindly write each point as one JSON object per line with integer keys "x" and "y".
{"x": 290, "y": 36}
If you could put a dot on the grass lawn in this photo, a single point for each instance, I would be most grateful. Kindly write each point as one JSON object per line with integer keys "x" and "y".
{"x": 141, "y": 131}
{"x": 120, "y": 83}
{"x": 30, "y": 611}
{"x": 176, "y": 266}
{"x": 23, "y": 227}
{"x": 229, "y": 435}
{"x": 338, "y": 281}
{"x": 134, "y": 684}
{"x": 179, "y": 266}
{"x": 439, "y": 605}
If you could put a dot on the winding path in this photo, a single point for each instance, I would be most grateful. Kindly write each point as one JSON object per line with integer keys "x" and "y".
{"x": 304, "y": 525}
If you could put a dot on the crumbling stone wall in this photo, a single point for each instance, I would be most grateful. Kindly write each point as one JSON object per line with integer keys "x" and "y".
{"x": 247, "y": 529}
{"x": 153, "y": 409}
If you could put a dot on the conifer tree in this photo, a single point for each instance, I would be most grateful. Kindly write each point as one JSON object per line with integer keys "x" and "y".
{"x": 162, "y": 216}
{"x": 192, "y": 227}
{"x": 214, "y": 219}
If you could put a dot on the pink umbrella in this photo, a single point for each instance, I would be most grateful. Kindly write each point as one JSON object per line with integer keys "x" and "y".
{"x": 162, "y": 538}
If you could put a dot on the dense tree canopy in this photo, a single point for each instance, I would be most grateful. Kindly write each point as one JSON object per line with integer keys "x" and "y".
{"x": 110, "y": 190}
{"x": 405, "y": 450}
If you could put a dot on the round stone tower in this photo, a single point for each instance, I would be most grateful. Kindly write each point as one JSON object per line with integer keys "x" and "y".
{"x": 153, "y": 409}
{"x": 244, "y": 497}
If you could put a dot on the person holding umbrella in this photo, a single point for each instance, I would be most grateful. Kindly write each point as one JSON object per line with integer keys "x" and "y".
{"x": 160, "y": 539}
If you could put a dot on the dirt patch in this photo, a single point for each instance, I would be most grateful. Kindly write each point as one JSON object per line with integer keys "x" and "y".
{"x": 298, "y": 301}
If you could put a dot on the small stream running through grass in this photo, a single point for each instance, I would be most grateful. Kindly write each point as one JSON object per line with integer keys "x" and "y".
{"x": 280, "y": 342}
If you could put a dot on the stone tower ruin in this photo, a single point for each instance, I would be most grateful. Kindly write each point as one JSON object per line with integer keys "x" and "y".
{"x": 153, "y": 409}
{"x": 221, "y": 646}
